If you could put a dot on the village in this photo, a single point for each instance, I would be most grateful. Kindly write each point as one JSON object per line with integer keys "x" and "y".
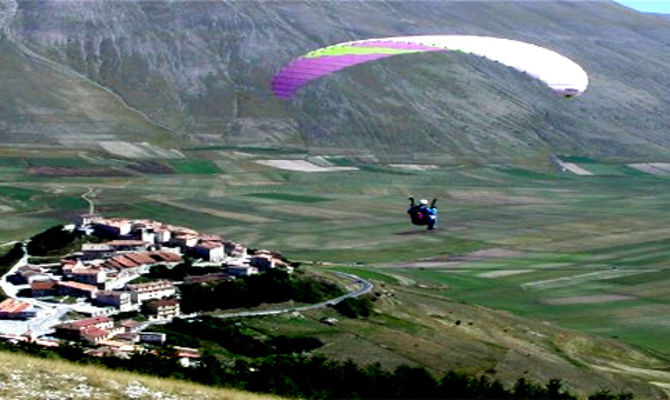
{"x": 77, "y": 299}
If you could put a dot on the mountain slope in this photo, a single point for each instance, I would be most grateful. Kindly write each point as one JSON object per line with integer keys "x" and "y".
{"x": 203, "y": 69}
{"x": 44, "y": 101}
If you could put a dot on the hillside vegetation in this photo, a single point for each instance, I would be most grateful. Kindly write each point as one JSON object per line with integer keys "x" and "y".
{"x": 203, "y": 70}
{"x": 27, "y": 377}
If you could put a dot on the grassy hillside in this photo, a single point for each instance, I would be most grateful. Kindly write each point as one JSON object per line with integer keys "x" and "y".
{"x": 43, "y": 104}
{"x": 26, "y": 377}
{"x": 203, "y": 68}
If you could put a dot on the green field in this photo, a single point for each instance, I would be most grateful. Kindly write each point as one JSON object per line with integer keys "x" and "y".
{"x": 64, "y": 162}
{"x": 288, "y": 197}
{"x": 590, "y": 256}
{"x": 13, "y": 162}
{"x": 204, "y": 167}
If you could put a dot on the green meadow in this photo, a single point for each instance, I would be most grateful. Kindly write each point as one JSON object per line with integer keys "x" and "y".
{"x": 194, "y": 166}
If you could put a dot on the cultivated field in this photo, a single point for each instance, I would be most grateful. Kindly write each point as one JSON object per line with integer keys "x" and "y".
{"x": 589, "y": 255}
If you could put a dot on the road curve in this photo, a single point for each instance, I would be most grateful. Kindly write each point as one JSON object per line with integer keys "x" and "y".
{"x": 91, "y": 205}
{"x": 364, "y": 287}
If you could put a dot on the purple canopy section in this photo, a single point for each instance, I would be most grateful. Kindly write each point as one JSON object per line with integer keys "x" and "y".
{"x": 303, "y": 70}
{"x": 300, "y": 71}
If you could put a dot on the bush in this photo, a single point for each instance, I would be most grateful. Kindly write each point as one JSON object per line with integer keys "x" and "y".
{"x": 54, "y": 240}
{"x": 11, "y": 257}
{"x": 233, "y": 337}
{"x": 273, "y": 286}
{"x": 354, "y": 307}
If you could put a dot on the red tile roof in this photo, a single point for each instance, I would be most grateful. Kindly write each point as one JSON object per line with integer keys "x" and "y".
{"x": 164, "y": 303}
{"x": 94, "y": 333}
{"x": 82, "y": 323}
{"x": 132, "y": 260}
{"x": 87, "y": 271}
{"x": 140, "y": 258}
{"x": 165, "y": 256}
{"x": 77, "y": 285}
{"x": 209, "y": 245}
{"x": 12, "y": 306}
{"x": 125, "y": 262}
{"x": 112, "y": 264}
{"x": 42, "y": 285}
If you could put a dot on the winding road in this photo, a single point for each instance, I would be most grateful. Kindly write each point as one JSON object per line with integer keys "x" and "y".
{"x": 91, "y": 205}
{"x": 364, "y": 287}
{"x": 48, "y": 314}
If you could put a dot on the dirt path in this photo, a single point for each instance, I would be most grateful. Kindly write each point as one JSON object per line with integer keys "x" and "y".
{"x": 91, "y": 205}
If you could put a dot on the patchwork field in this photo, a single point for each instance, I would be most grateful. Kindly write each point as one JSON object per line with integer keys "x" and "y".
{"x": 589, "y": 254}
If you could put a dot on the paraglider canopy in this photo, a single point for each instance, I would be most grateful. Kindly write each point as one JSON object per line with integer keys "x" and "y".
{"x": 562, "y": 75}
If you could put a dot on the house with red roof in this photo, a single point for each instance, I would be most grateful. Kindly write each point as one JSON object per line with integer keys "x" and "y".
{"x": 44, "y": 288}
{"x": 15, "y": 309}
{"x": 209, "y": 251}
{"x": 78, "y": 289}
{"x": 93, "y": 330}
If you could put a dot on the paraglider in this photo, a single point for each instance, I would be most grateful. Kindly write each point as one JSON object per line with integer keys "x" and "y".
{"x": 423, "y": 214}
{"x": 562, "y": 75}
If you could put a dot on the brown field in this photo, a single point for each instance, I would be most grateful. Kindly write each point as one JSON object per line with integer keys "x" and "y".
{"x": 65, "y": 171}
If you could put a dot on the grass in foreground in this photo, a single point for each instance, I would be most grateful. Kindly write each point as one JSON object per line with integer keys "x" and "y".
{"x": 26, "y": 377}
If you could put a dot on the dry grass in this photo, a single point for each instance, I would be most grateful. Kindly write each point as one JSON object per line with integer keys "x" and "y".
{"x": 26, "y": 377}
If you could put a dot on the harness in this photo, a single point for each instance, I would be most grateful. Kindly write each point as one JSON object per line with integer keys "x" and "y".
{"x": 419, "y": 215}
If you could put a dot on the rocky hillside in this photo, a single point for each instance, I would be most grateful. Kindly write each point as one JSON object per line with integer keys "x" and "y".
{"x": 202, "y": 70}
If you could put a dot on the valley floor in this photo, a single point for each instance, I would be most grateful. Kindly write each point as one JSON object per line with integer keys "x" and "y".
{"x": 561, "y": 275}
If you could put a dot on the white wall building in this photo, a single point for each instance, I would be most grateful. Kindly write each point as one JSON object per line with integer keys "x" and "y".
{"x": 120, "y": 300}
{"x": 142, "y": 292}
{"x": 210, "y": 251}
